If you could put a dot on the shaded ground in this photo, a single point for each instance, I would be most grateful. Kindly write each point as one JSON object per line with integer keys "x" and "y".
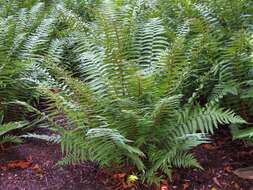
{"x": 219, "y": 159}
{"x": 43, "y": 174}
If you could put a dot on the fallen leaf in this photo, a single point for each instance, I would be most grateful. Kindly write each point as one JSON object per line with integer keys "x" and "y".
{"x": 37, "y": 169}
{"x": 132, "y": 179}
{"x": 208, "y": 146}
{"x": 164, "y": 187}
{"x": 16, "y": 164}
{"x": 119, "y": 176}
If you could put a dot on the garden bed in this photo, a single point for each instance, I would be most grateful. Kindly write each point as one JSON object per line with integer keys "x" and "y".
{"x": 32, "y": 166}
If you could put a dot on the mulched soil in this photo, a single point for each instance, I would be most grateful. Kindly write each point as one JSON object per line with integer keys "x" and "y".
{"x": 219, "y": 159}
{"x": 43, "y": 174}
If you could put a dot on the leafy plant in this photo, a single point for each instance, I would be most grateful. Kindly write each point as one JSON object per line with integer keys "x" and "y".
{"x": 219, "y": 35}
{"x": 134, "y": 83}
{"x": 17, "y": 47}
{"x": 125, "y": 96}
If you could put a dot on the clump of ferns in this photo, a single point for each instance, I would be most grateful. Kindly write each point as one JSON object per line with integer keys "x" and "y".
{"x": 149, "y": 132}
{"x": 131, "y": 103}
{"x": 128, "y": 107}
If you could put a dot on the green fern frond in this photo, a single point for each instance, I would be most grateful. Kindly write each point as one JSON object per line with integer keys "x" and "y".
{"x": 48, "y": 138}
{"x": 149, "y": 43}
{"x": 166, "y": 109}
{"x": 206, "y": 119}
{"x": 6, "y": 128}
{"x": 10, "y": 139}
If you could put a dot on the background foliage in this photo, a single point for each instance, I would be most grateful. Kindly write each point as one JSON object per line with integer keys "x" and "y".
{"x": 134, "y": 83}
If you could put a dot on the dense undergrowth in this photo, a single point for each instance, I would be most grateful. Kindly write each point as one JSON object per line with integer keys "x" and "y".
{"x": 127, "y": 83}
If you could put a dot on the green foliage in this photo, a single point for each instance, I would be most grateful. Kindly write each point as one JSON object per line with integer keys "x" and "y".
{"x": 5, "y": 129}
{"x": 132, "y": 90}
{"x": 219, "y": 37}
{"x": 24, "y": 29}
{"x": 137, "y": 83}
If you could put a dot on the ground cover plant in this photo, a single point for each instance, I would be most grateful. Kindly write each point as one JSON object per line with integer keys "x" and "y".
{"x": 126, "y": 84}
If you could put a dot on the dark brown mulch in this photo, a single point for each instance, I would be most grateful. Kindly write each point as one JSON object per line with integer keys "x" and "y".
{"x": 219, "y": 159}
{"x": 49, "y": 176}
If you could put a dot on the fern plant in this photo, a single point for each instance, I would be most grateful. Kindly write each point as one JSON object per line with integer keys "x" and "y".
{"x": 19, "y": 21}
{"x": 124, "y": 93}
{"x": 219, "y": 36}
{"x": 136, "y": 82}
{"x": 150, "y": 132}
